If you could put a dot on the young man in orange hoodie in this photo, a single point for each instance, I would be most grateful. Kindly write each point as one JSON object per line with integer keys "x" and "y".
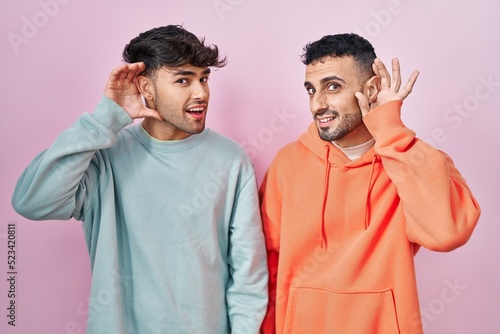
{"x": 346, "y": 207}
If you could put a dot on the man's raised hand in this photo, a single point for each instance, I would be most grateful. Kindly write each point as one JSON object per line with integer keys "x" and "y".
{"x": 390, "y": 89}
{"x": 122, "y": 88}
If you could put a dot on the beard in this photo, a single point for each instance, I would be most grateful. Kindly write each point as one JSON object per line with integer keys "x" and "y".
{"x": 347, "y": 123}
{"x": 176, "y": 116}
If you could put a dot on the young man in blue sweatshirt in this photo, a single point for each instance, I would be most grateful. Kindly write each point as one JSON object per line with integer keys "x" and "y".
{"x": 169, "y": 208}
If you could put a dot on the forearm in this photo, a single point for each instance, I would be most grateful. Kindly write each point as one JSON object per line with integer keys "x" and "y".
{"x": 48, "y": 187}
{"x": 247, "y": 293}
{"x": 439, "y": 208}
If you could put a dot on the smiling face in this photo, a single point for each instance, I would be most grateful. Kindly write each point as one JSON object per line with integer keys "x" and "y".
{"x": 180, "y": 95}
{"x": 331, "y": 83}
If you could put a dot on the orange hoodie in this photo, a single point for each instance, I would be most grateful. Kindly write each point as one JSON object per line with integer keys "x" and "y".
{"x": 341, "y": 235}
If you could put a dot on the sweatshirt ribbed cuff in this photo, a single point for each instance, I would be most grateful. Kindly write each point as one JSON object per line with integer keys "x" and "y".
{"x": 384, "y": 119}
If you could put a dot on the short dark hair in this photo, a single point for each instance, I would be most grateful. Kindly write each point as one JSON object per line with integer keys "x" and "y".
{"x": 171, "y": 46}
{"x": 342, "y": 45}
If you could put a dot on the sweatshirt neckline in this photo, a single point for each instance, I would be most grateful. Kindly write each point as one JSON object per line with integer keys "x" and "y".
{"x": 168, "y": 145}
{"x": 355, "y": 152}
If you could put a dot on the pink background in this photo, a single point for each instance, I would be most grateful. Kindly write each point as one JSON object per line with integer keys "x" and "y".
{"x": 57, "y": 54}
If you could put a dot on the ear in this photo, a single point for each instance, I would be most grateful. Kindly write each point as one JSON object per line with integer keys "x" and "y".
{"x": 372, "y": 88}
{"x": 146, "y": 88}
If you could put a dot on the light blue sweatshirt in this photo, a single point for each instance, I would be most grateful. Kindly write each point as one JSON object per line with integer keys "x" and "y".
{"x": 173, "y": 228}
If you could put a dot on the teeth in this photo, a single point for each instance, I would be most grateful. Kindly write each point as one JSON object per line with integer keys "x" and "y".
{"x": 326, "y": 120}
{"x": 196, "y": 109}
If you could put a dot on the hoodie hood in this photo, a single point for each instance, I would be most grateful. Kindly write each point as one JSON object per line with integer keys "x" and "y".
{"x": 332, "y": 157}
{"x": 312, "y": 141}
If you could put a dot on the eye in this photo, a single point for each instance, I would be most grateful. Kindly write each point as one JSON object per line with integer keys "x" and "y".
{"x": 182, "y": 81}
{"x": 333, "y": 86}
{"x": 310, "y": 91}
{"x": 204, "y": 80}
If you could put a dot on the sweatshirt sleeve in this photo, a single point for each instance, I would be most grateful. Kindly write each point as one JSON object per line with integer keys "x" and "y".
{"x": 440, "y": 210}
{"x": 247, "y": 295}
{"x": 57, "y": 182}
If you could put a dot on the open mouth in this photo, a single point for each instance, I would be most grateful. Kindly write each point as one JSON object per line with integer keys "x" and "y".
{"x": 197, "y": 111}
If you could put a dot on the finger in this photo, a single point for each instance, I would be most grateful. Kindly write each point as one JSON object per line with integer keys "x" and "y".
{"x": 140, "y": 67}
{"x": 385, "y": 78}
{"x": 396, "y": 75}
{"x": 117, "y": 73}
{"x": 133, "y": 70}
{"x": 139, "y": 70}
{"x": 375, "y": 69}
{"x": 126, "y": 72}
{"x": 407, "y": 89}
{"x": 364, "y": 106}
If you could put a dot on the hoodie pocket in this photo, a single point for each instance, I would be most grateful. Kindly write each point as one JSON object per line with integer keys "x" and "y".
{"x": 319, "y": 310}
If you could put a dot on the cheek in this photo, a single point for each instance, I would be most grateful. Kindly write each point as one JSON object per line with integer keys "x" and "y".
{"x": 350, "y": 100}
{"x": 337, "y": 101}
{"x": 173, "y": 96}
{"x": 344, "y": 102}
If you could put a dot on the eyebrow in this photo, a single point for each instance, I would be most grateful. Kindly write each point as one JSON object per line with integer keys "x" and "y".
{"x": 190, "y": 73}
{"x": 324, "y": 80}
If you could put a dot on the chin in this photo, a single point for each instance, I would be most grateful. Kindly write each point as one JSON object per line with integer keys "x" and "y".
{"x": 324, "y": 133}
{"x": 198, "y": 130}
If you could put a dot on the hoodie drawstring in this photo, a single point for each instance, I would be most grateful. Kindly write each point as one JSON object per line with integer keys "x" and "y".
{"x": 367, "y": 203}
{"x": 322, "y": 232}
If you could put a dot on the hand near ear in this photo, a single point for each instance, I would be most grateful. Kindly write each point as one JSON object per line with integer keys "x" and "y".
{"x": 389, "y": 88}
{"x": 122, "y": 88}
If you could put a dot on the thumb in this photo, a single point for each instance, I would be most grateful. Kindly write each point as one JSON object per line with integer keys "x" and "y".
{"x": 364, "y": 106}
{"x": 148, "y": 112}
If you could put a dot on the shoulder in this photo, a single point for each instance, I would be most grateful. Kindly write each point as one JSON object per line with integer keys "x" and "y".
{"x": 290, "y": 161}
{"x": 225, "y": 154}
{"x": 224, "y": 146}
{"x": 126, "y": 144}
{"x": 291, "y": 151}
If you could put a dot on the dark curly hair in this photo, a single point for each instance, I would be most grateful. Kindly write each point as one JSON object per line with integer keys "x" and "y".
{"x": 342, "y": 45}
{"x": 171, "y": 46}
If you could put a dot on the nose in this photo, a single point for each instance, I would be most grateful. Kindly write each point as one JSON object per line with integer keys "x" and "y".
{"x": 318, "y": 103}
{"x": 200, "y": 91}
